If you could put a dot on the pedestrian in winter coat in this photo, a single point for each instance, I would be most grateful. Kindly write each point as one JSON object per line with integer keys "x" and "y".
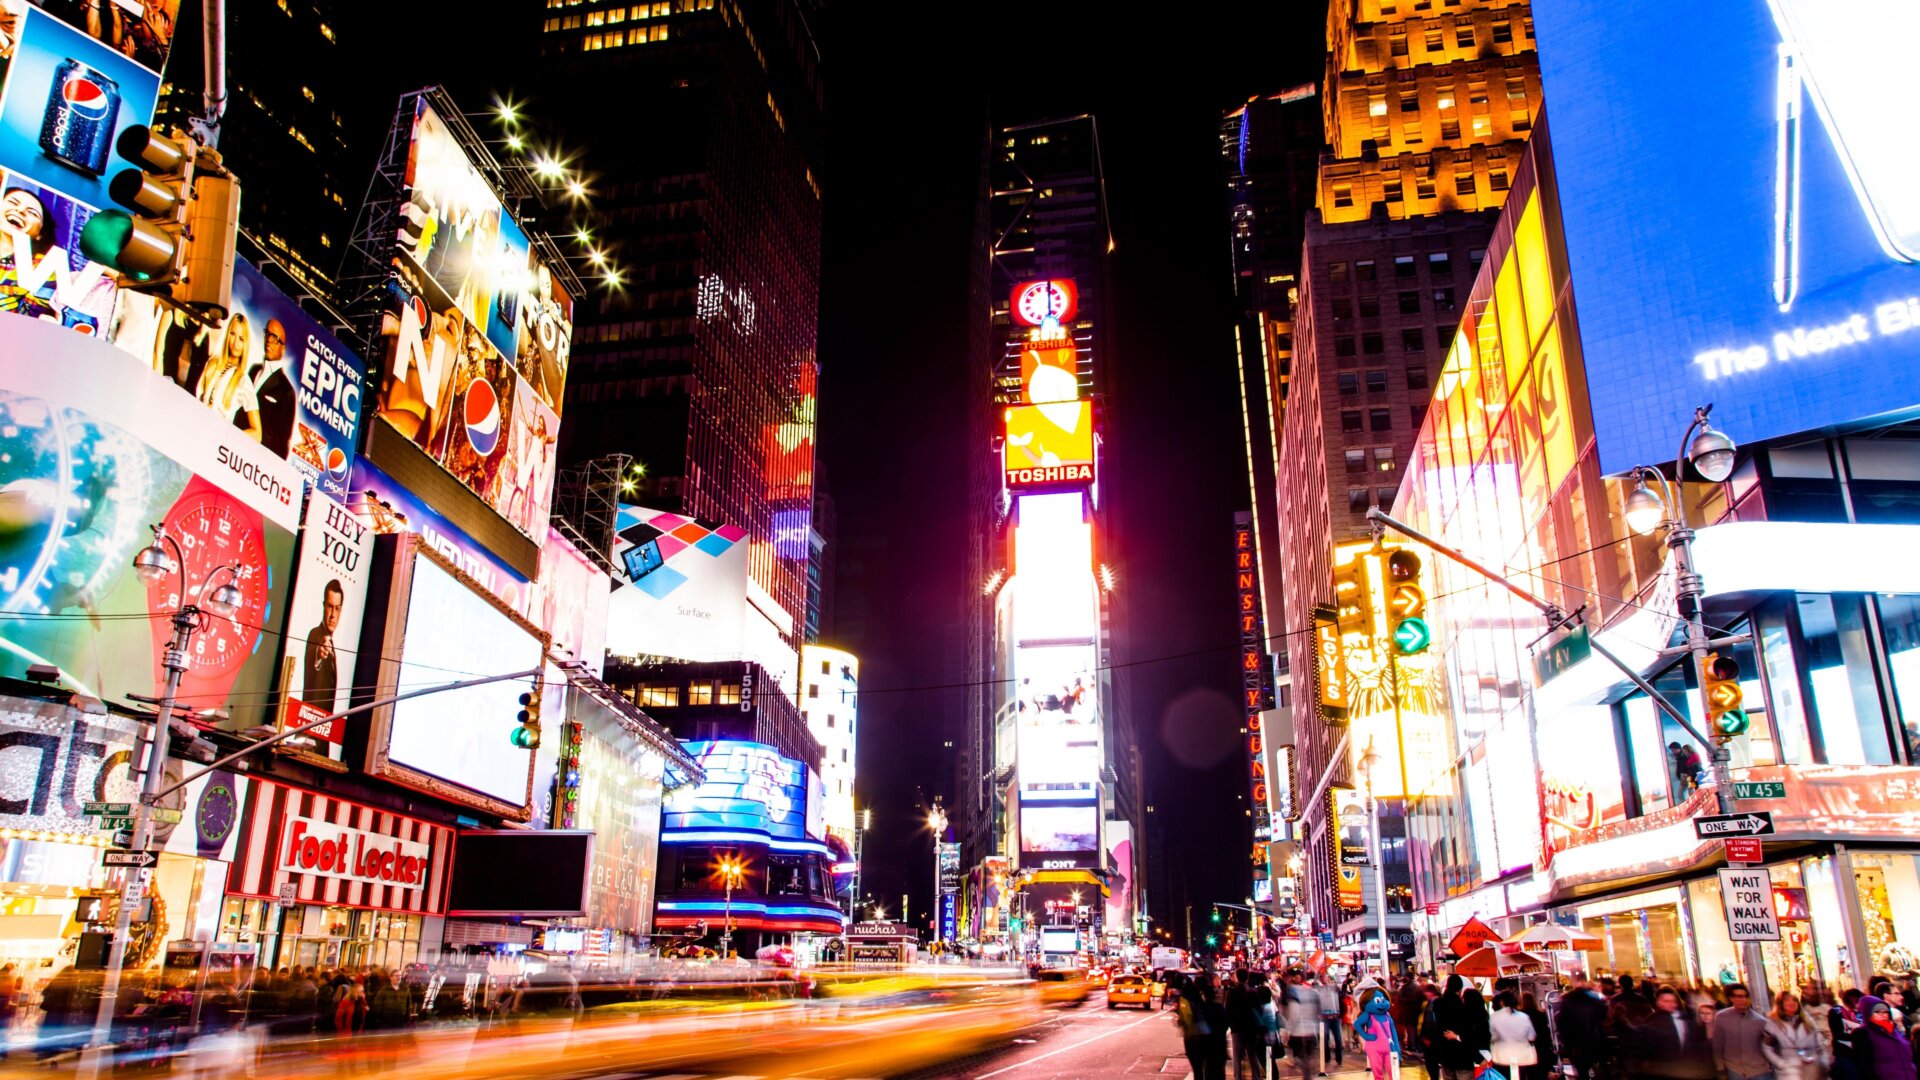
{"x": 1737, "y": 1033}
{"x": 1881, "y": 1051}
{"x": 1843, "y": 1025}
{"x": 1510, "y": 1036}
{"x": 1791, "y": 1043}
{"x": 1426, "y": 1032}
{"x": 1542, "y": 1066}
{"x": 1582, "y": 1026}
{"x": 1671, "y": 1045}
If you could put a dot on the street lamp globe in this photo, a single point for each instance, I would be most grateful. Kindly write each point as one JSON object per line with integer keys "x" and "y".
{"x": 1712, "y": 454}
{"x": 225, "y": 600}
{"x": 153, "y": 564}
{"x": 1645, "y": 510}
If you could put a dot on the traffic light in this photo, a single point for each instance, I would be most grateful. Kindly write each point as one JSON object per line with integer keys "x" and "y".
{"x": 1353, "y": 597}
{"x": 527, "y": 735}
{"x": 1216, "y": 916}
{"x": 178, "y": 241}
{"x": 1407, "y": 604}
{"x": 1724, "y": 714}
{"x": 1213, "y": 940}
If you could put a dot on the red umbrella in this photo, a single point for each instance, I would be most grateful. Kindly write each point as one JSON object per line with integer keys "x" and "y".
{"x": 1488, "y": 962}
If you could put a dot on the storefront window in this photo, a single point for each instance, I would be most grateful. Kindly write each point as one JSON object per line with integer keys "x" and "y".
{"x": 1900, "y": 624}
{"x": 1644, "y": 934}
{"x": 309, "y": 935}
{"x": 1846, "y": 696}
{"x": 1785, "y": 708}
{"x": 1888, "y": 886}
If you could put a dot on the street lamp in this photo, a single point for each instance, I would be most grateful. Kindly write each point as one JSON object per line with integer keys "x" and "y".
{"x": 1712, "y": 455}
{"x": 1369, "y": 763}
{"x": 937, "y": 823}
{"x": 154, "y": 564}
{"x": 732, "y": 870}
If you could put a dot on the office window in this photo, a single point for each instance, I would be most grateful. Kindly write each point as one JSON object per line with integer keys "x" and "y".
{"x": 728, "y": 693}
{"x": 1370, "y": 306}
{"x": 1439, "y": 264}
{"x": 1423, "y": 187}
{"x": 1409, "y": 303}
{"x": 1377, "y": 105}
{"x": 1337, "y": 273}
{"x": 1416, "y": 413}
{"x": 1520, "y": 120}
{"x": 1481, "y": 125}
{"x": 1463, "y": 35}
{"x": 1443, "y": 299}
{"x": 1376, "y": 381}
{"x": 1356, "y": 500}
{"x": 1363, "y": 270}
{"x": 1343, "y": 194}
{"x": 1349, "y": 383}
{"x": 700, "y": 693}
{"x": 1403, "y": 266}
{"x": 1350, "y": 420}
{"x": 1410, "y": 103}
{"x": 1380, "y": 419}
{"x": 1502, "y": 32}
{"x": 1397, "y": 45}
{"x": 1385, "y": 497}
{"x": 1516, "y": 91}
{"x": 1496, "y": 179}
{"x": 1417, "y": 378}
{"x": 1383, "y": 459}
{"x": 1343, "y": 307}
{"x": 1391, "y": 190}
{"x": 1372, "y": 344}
{"x": 1476, "y": 257}
{"x": 1463, "y": 183}
{"x": 1356, "y": 461}
{"x": 813, "y": 691}
{"x": 1413, "y": 341}
{"x": 1343, "y": 345}
{"x": 1435, "y": 41}
{"x": 659, "y": 695}
{"x": 1413, "y": 132}
{"x": 826, "y": 667}
{"x": 1449, "y": 130}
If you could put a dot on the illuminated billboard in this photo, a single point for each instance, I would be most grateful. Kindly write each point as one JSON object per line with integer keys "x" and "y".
{"x": 1049, "y": 371}
{"x": 322, "y": 644}
{"x": 68, "y": 96}
{"x": 1058, "y": 707}
{"x": 749, "y": 786}
{"x": 93, "y": 451}
{"x": 478, "y": 332}
{"x": 269, "y": 369}
{"x": 1756, "y": 247}
{"x": 1049, "y": 445}
{"x": 1040, "y": 303}
{"x": 680, "y": 587}
{"x": 456, "y": 744}
{"x": 1058, "y": 830}
{"x": 1052, "y": 606}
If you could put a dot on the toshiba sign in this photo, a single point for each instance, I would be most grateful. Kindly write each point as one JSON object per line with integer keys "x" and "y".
{"x": 326, "y": 850}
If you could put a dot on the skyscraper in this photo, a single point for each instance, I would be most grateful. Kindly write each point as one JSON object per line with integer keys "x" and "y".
{"x": 285, "y": 129}
{"x": 1048, "y": 766}
{"x": 1425, "y": 112}
{"x": 696, "y": 353}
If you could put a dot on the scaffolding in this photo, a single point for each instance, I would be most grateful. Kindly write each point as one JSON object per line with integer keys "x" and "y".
{"x": 586, "y": 503}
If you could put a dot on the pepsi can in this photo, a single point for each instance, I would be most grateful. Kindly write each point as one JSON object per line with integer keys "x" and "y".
{"x": 77, "y": 128}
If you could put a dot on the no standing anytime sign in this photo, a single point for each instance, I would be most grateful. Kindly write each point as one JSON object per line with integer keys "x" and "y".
{"x": 1748, "y": 897}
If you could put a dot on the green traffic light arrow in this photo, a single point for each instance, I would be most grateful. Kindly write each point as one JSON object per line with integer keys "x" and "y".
{"x": 1412, "y": 636}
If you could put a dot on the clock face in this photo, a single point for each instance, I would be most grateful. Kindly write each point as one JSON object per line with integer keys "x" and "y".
{"x": 1037, "y": 301}
{"x": 217, "y": 813}
{"x": 213, "y": 530}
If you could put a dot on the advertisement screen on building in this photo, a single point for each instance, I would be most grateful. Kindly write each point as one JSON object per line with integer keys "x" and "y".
{"x": 388, "y": 507}
{"x": 1049, "y": 446}
{"x": 1048, "y": 830}
{"x": 338, "y": 852}
{"x": 479, "y": 333}
{"x": 1058, "y": 709}
{"x": 322, "y": 643}
{"x": 619, "y": 801}
{"x": 68, "y": 96}
{"x": 680, "y": 587}
{"x": 749, "y": 786}
{"x": 457, "y": 744}
{"x": 92, "y": 455}
{"x": 269, "y": 369}
{"x": 1794, "y": 302}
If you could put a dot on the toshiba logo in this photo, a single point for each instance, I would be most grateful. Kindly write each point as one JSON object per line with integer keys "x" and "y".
{"x": 326, "y": 850}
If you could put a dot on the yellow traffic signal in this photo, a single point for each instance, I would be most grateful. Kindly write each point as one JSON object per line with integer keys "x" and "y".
{"x": 1724, "y": 697}
{"x": 1353, "y": 599}
{"x": 1406, "y": 604}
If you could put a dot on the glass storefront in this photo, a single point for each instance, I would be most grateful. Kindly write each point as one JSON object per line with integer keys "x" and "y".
{"x": 321, "y": 935}
{"x": 1645, "y": 934}
{"x": 1888, "y": 887}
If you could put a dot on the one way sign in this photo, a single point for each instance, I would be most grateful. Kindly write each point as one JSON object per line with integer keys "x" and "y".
{"x": 1758, "y": 823}
{"x": 130, "y": 858}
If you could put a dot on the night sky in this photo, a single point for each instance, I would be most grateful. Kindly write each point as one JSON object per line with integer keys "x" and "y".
{"x": 908, "y": 107}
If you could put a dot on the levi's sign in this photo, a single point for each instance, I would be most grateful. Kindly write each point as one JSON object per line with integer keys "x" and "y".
{"x": 1758, "y": 823}
{"x": 323, "y": 849}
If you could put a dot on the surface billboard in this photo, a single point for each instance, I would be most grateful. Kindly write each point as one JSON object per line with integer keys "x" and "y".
{"x": 680, "y": 587}
{"x": 478, "y": 333}
{"x": 440, "y": 624}
{"x": 1049, "y": 445}
{"x": 269, "y": 369}
{"x": 1755, "y": 248}
{"x": 93, "y": 451}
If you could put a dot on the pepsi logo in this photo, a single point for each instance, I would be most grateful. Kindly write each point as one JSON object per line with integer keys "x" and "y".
{"x": 337, "y": 464}
{"x": 482, "y": 415}
{"x": 86, "y": 97}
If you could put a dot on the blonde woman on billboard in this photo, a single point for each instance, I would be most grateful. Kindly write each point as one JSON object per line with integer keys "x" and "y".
{"x": 224, "y": 386}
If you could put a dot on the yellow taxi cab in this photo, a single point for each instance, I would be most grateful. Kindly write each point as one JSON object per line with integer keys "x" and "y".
{"x": 1098, "y": 976}
{"x": 1131, "y": 990}
{"x": 1062, "y": 986}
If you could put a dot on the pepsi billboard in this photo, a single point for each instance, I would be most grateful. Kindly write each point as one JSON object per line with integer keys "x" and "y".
{"x": 269, "y": 369}
{"x": 66, "y": 98}
{"x": 1741, "y": 222}
{"x": 478, "y": 334}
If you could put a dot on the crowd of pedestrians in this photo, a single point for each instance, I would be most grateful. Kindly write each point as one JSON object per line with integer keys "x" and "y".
{"x": 1276, "y": 1024}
